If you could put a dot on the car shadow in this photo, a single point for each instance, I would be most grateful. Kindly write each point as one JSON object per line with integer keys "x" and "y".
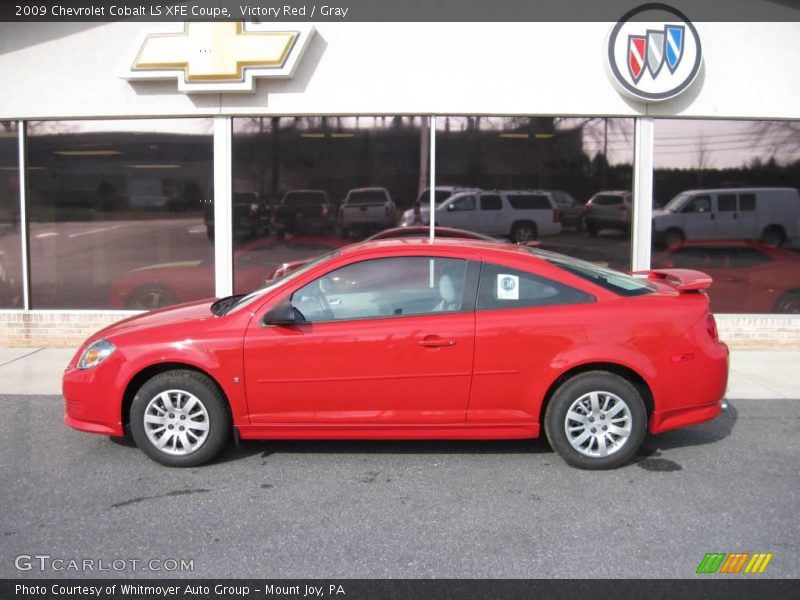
{"x": 651, "y": 455}
{"x": 266, "y": 448}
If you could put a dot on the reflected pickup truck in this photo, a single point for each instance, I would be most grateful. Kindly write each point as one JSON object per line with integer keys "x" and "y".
{"x": 366, "y": 209}
{"x": 304, "y": 211}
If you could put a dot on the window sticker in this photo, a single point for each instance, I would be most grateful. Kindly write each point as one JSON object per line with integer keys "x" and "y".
{"x": 507, "y": 287}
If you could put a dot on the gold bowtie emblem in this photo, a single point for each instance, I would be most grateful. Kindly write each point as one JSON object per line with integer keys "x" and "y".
{"x": 214, "y": 52}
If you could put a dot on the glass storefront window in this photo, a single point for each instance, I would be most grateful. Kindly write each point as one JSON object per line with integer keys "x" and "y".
{"x": 729, "y": 206}
{"x": 305, "y": 185}
{"x": 10, "y": 246}
{"x": 120, "y": 213}
{"x": 562, "y": 181}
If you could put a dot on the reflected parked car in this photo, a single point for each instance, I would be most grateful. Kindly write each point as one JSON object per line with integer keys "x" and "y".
{"x": 403, "y": 339}
{"x": 608, "y": 210}
{"x": 522, "y": 215}
{"x": 771, "y": 215}
{"x": 571, "y": 210}
{"x": 251, "y": 216}
{"x": 304, "y": 211}
{"x": 366, "y": 209}
{"x": 441, "y": 193}
{"x": 161, "y": 285}
{"x": 749, "y": 277}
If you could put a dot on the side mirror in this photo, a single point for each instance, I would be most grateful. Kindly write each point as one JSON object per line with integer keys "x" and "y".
{"x": 284, "y": 314}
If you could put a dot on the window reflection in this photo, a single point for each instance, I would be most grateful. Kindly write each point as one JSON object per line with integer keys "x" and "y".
{"x": 118, "y": 213}
{"x": 321, "y": 183}
{"x": 547, "y": 173}
{"x": 731, "y": 209}
{"x": 10, "y": 249}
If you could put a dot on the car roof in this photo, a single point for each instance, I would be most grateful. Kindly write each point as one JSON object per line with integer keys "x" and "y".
{"x": 440, "y": 243}
{"x": 739, "y": 189}
{"x": 367, "y": 189}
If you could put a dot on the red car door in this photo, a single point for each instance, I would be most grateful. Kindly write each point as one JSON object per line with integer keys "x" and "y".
{"x": 375, "y": 350}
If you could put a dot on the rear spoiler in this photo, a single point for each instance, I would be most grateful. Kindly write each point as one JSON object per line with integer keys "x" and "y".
{"x": 683, "y": 280}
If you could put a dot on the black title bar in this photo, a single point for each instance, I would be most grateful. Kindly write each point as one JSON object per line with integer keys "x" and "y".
{"x": 383, "y": 10}
{"x": 710, "y": 588}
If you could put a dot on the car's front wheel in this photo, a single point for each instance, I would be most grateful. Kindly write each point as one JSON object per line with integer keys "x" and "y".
{"x": 596, "y": 420}
{"x": 179, "y": 418}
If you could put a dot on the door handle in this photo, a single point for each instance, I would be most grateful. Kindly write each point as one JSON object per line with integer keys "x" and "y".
{"x": 434, "y": 341}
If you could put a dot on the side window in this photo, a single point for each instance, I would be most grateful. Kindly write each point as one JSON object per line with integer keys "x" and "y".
{"x": 463, "y": 203}
{"x": 726, "y": 202}
{"x": 529, "y": 202}
{"x": 747, "y": 202}
{"x": 502, "y": 287}
{"x": 491, "y": 202}
{"x": 385, "y": 287}
{"x": 698, "y": 204}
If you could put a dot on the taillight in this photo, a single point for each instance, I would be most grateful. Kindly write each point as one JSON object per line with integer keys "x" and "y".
{"x": 556, "y": 216}
{"x": 622, "y": 207}
{"x": 588, "y": 204}
{"x": 711, "y": 327}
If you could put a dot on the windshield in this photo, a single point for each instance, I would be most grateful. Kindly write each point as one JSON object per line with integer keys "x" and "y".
{"x": 275, "y": 283}
{"x": 678, "y": 202}
{"x": 367, "y": 197}
{"x": 615, "y": 281}
{"x": 303, "y": 199}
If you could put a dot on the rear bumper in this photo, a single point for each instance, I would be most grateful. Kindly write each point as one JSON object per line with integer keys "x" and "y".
{"x": 683, "y": 417}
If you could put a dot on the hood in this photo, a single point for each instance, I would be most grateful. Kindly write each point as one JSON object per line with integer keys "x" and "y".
{"x": 180, "y": 313}
{"x": 169, "y": 265}
{"x": 660, "y": 212}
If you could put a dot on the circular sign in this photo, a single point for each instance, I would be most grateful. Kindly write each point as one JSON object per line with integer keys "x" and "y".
{"x": 654, "y": 53}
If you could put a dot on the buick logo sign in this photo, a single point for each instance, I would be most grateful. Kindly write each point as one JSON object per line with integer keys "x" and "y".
{"x": 654, "y": 53}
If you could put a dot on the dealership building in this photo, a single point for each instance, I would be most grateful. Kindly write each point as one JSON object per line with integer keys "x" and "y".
{"x": 142, "y": 162}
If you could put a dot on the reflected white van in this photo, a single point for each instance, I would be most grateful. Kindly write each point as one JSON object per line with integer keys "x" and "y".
{"x": 771, "y": 215}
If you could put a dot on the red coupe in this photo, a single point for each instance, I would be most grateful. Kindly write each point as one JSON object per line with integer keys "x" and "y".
{"x": 402, "y": 339}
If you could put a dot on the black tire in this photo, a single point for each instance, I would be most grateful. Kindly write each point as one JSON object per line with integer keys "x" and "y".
{"x": 150, "y": 297}
{"x": 205, "y": 391}
{"x": 773, "y": 236}
{"x": 579, "y": 387}
{"x": 674, "y": 237}
{"x": 592, "y": 229}
{"x": 524, "y": 231}
{"x": 788, "y": 303}
{"x": 579, "y": 225}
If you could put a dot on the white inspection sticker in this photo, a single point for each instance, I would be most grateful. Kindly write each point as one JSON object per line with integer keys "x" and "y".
{"x": 507, "y": 287}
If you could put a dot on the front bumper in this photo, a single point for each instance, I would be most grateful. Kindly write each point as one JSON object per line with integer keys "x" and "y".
{"x": 90, "y": 401}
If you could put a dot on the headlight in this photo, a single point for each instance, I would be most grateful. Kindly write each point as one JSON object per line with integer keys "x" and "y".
{"x": 95, "y": 353}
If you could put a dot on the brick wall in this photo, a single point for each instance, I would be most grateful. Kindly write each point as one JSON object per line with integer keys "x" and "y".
{"x": 53, "y": 329}
{"x": 69, "y": 329}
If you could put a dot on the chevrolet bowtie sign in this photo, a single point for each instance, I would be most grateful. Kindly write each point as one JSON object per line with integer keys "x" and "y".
{"x": 220, "y": 56}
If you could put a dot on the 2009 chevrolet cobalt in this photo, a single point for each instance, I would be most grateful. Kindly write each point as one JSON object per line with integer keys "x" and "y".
{"x": 403, "y": 339}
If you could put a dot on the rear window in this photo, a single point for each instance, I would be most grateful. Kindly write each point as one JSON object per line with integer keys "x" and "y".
{"x": 367, "y": 197}
{"x": 614, "y": 281}
{"x": 529, "y": 202}
{"x": 303, "y": 199}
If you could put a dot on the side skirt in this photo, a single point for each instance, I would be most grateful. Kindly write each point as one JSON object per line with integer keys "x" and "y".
{"x": 494, "y": 431}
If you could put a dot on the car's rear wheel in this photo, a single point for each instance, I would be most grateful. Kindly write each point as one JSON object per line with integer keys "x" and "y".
{"x": 674, "y": 237}
{"x": 524, "y": 232}
{"x": 180, "y": 419}
{"x": 596, "y": 420}
{"x": 773, "y": 236}
{"x": 789, "y": 303}
{"x": 592, "y": 229}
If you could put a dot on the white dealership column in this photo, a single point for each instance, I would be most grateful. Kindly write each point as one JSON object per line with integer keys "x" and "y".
{"x": 223, "y": 227}
{"x": 432, "y": 173}
{"x": 22, "y": 139}
{"x": 642, "y": 193}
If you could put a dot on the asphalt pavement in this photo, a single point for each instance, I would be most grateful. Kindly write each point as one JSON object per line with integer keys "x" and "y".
{"x": 400, "y": 509}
